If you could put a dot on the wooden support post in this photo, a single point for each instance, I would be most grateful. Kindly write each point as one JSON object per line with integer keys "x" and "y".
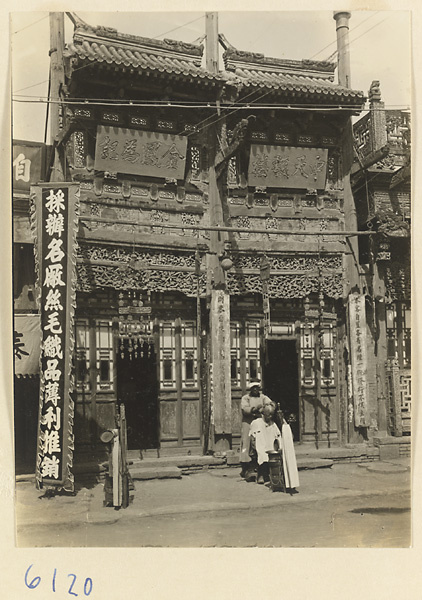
{"x": 220, "y": 299}
{"x": 115, "y": 456}
{"x": 56, "y": 88}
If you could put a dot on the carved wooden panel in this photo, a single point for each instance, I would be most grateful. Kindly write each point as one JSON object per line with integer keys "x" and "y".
{"x": 168, "y": 419}
{"x": 236, "y": 416}
{"x": 191, "y": 419}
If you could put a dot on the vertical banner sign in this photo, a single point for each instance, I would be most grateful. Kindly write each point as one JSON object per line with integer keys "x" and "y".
{"x": 55, "y": 220}
{"x": 359, "y": 359}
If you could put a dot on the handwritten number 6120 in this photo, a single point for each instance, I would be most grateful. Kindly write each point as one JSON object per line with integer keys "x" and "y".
{"x": 33, "y": 583}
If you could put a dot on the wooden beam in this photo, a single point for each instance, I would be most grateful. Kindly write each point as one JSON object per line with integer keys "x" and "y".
{"x": 370, "y": 159}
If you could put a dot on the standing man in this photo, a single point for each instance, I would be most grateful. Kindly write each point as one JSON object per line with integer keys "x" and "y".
{"x": 251, "y": 406}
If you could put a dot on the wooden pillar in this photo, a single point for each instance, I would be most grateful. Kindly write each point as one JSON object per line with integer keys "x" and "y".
{"x": 56, "y": 85}
{"x": 381, "y": 350}
{"x": 219, "y": 297}
{"x": 395, "y": 390}
{"x": 220, "y": 356}
{"x": 93, "y": 381}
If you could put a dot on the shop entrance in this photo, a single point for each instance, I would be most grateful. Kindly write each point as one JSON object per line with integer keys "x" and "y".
{"x": 137, "y": 389}
{"x": 281, "y": 379}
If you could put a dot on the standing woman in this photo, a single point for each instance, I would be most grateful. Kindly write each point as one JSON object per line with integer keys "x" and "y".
{"x": 251, "y": 406}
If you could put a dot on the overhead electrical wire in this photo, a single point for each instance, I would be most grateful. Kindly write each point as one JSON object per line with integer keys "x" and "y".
{"x": 31, "y": 24}
{"x": 179, "y": 27}
{"x": 349, "y": 31}
{"x": 238, "y": 106}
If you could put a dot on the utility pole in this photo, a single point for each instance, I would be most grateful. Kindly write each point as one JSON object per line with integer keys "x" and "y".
{"x": 56, "y": 85}
{"x": 220, "y": 299}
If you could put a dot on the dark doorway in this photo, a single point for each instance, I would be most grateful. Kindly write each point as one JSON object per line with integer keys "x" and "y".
{"x": 137, "y": 390}
{"x": 26, "y": 403}
{"x": 281, "y": 379}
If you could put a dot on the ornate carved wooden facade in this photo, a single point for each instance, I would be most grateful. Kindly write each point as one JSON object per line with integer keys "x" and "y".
{"x": 383, "y": 199}
{"x": 143, "y": 168}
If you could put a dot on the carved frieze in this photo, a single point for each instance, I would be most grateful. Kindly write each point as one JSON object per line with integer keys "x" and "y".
{"x": 126, "y": 255}
{"x": 290, "y": 263}
{"x": 286, "y": 286}
{"x": 91, "y": 277}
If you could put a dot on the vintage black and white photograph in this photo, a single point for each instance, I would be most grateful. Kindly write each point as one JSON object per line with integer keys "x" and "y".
{"x": 211, "y": 279}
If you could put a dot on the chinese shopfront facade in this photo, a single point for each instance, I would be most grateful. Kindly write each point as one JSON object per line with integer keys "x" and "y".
{"x": 156, "y": 329}
{"x": 213, "y": 245}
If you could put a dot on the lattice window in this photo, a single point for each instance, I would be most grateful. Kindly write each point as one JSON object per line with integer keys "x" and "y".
{"x": 235, "y": 354}
{"x": 167, "y": 355}
{"x": 79, "y": 149}
{"x": 406, "y": 393}
{"x": 252, "y": 346}
{"x": 104, "y": 355}
{"x": 391, "y": 322}
{"x": 307, "y": 355}
{"x": 327, "y": 355}
{"x": 82, "y": 355}
{"x": 189, "y": 354}
{"x": 407, "y": 338}
{"x": 233, "y": 172}
{"x": 195, "y": 161}
{"x": 398, "y": 322}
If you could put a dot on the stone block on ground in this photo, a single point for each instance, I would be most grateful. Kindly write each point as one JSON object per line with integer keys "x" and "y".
{"x": 389, "y": 451}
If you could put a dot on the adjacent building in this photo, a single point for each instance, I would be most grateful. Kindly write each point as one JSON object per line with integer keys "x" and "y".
{"x": 381, "y": 182}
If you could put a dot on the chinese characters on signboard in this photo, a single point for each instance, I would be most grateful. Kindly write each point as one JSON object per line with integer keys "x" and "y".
{"x": 287, "y": 167}
{"x": 359, "y": 359}
{"x": 28, "y": 165}
{"x": 56, "y": 209}
{"x": 140, "y": 152}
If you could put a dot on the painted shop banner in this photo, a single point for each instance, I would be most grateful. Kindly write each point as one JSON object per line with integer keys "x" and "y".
{"x": 28, "y": 165}
{"x": 27, "y": 339}
{"x": 359, "y": 358}
{"x": 140, "y": 152}
{"x": 54, "y": 221}
{"x": 287, "y": 167}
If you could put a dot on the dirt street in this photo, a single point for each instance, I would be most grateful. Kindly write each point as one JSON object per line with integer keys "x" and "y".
{"x": 346, "y": 506}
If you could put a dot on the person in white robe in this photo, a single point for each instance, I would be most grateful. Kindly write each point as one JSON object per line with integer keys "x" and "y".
{"x": 251, "y": 406}
{"x": 266, "y": 436}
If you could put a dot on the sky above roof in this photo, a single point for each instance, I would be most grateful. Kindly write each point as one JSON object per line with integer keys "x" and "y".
{"x": 379, "y": 50}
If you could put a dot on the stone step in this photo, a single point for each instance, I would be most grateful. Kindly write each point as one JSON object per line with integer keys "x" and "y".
{"x": 157, "y": 472}
{"x": 313, "y": 463}
{"x": 176, "y": 461}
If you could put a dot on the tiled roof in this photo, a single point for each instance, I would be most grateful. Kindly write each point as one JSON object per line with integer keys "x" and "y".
{"x": 301, "y": 79}
{"x": 305, "y": 77}
{"x": 106, "y": 45}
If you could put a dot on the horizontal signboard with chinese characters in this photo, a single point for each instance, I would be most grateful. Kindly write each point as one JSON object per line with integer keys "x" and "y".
{"x": 55, "y": 226}
{"x": 140, "y": 152}
{"x": 28, "y": 164}
{"x": 287, "y": 167}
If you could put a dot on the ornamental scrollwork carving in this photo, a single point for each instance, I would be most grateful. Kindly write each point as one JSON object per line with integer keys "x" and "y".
{"x": 126, "y": 255}
{"x": 290, "y": 263}
{"x": 286, "y": 286}
{"x": 91, "y": 277}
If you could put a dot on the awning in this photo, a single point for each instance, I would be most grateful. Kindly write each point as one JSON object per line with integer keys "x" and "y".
{"x": 26, "y": 345}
